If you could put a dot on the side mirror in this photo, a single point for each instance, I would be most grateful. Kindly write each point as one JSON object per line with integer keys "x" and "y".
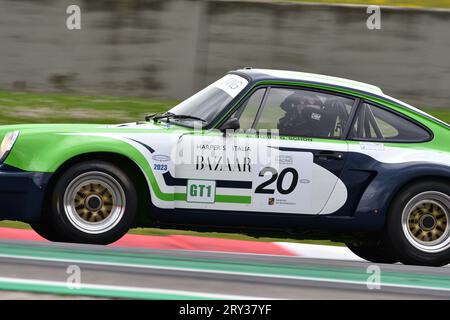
{"x": 232, "y": 123}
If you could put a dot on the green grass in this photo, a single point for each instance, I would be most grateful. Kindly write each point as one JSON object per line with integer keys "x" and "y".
{"x": 18, "y": 107}
{"x": 234, "y": 236}
{"x": 14, "y": 224}
{"x": 396, "y": 3}
{"x": 49, "y": 107}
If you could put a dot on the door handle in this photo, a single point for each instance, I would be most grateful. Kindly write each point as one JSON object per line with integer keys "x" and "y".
{"x": 330, "y": 155}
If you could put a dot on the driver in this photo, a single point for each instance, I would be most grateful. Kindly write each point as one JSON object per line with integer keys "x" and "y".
{"x": 293, "y": 122}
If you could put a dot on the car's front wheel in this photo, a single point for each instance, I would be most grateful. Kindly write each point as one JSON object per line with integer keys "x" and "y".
{"x": 418, "y": 224}
{"x": 92, "y": 202}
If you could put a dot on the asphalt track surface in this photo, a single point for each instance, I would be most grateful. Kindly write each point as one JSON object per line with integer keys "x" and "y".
{"x": 111, "y": 272}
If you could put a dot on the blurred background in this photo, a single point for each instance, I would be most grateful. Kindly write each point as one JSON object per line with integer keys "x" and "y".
{"x": 132, "y": 57}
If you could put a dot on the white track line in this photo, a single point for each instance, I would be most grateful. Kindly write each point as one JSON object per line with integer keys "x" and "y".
{"x": 223, "y": 272}
{"x": 106, "y": 288}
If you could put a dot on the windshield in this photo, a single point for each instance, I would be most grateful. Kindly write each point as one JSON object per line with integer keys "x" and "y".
{"x": 207, "y": 103}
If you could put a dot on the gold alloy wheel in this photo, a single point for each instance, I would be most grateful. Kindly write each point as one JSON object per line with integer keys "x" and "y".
{"x": 94, "y": 202}
{"x": 426, "y": 221}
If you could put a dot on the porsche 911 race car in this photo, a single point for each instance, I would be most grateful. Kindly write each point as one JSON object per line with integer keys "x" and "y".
{"x": 261, "y": 152}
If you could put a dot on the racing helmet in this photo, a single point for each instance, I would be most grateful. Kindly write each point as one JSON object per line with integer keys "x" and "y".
{"x": 294, "y": 103}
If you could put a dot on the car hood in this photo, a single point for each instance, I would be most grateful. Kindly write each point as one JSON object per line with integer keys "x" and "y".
{"x": 77, "y": 128}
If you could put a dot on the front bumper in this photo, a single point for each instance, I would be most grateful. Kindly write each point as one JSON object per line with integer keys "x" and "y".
{"x": 21, "y": 193}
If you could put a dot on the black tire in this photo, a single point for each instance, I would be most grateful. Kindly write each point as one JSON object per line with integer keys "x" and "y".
{"x": 60, "y": 223}
{"x": 372, "y": 250}
{"x": 44, "y": 230}
{"x": 399, "y": 240}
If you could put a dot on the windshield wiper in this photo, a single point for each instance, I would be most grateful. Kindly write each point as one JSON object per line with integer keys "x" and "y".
{"x": 182, "y": 116}
{"x": 151, "y": 115}
{"x": 170, "y": 115}
{"x": 158, "y": 116}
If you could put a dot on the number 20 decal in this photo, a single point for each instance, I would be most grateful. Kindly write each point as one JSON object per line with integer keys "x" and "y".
{"x": 279, "y": 179}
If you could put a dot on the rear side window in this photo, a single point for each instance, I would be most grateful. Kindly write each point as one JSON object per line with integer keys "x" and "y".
{"x": 376, "y": 124}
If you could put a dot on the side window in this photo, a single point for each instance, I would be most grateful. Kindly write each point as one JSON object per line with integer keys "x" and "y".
{"x": 304, "y": 113}
{"x": 375, "y": 123}
{"x": 248, "y": 110}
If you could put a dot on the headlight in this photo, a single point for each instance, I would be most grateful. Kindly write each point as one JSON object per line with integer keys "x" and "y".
{"x": 7, "y": 144}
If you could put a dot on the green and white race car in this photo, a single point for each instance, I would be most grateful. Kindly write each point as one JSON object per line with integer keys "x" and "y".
{"x": 261, "y": 152}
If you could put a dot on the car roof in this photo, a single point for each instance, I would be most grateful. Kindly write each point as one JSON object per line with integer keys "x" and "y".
{"x": 260, "y": 74}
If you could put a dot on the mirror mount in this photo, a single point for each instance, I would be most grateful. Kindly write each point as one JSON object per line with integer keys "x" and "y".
{"x": 230, "y": 124}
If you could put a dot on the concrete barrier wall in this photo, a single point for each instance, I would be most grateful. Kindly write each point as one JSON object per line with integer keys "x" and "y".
{"x": 170, "y": 48}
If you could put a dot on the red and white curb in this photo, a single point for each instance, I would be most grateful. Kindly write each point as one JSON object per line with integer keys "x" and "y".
{"x": 180, "y": 242}
{"x": 316, "y": 251}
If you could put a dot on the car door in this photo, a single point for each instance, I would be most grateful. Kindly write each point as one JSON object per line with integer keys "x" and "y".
{"x": 286, "y": 158}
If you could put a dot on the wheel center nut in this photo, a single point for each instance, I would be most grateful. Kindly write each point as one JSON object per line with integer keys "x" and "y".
{"x": 427, "y": 222}
{"x": 93, "y": 202}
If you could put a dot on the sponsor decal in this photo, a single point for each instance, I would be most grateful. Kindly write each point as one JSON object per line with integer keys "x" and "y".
{"x": 283, "y": 159}
{"x": 272, "y": 201}
{"x": 231, "y": 84}
{"x": 372, "y": 146}
{"x": 296, "y": 138}
{"x": 285, "y": 202}
{"x": 220, "y": 163}
{"x": 161, "y": 158}
{"x": 316, "y": 116}
{"x": 222, "y": 147}
{"x": 160, "y": 167}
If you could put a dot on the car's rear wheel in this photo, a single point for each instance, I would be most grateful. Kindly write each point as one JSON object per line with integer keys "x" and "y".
{"x": 418, "y": 224}
{"x": 372, "y": 249}
{"x": 44, "y": 230}
{"x": 91, "y": 202}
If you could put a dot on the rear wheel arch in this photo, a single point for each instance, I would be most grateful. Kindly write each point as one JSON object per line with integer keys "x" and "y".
{"x": 126, "y": 164}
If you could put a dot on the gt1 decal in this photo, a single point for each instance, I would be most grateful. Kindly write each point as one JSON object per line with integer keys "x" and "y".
{"x": 201, "y": 191}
